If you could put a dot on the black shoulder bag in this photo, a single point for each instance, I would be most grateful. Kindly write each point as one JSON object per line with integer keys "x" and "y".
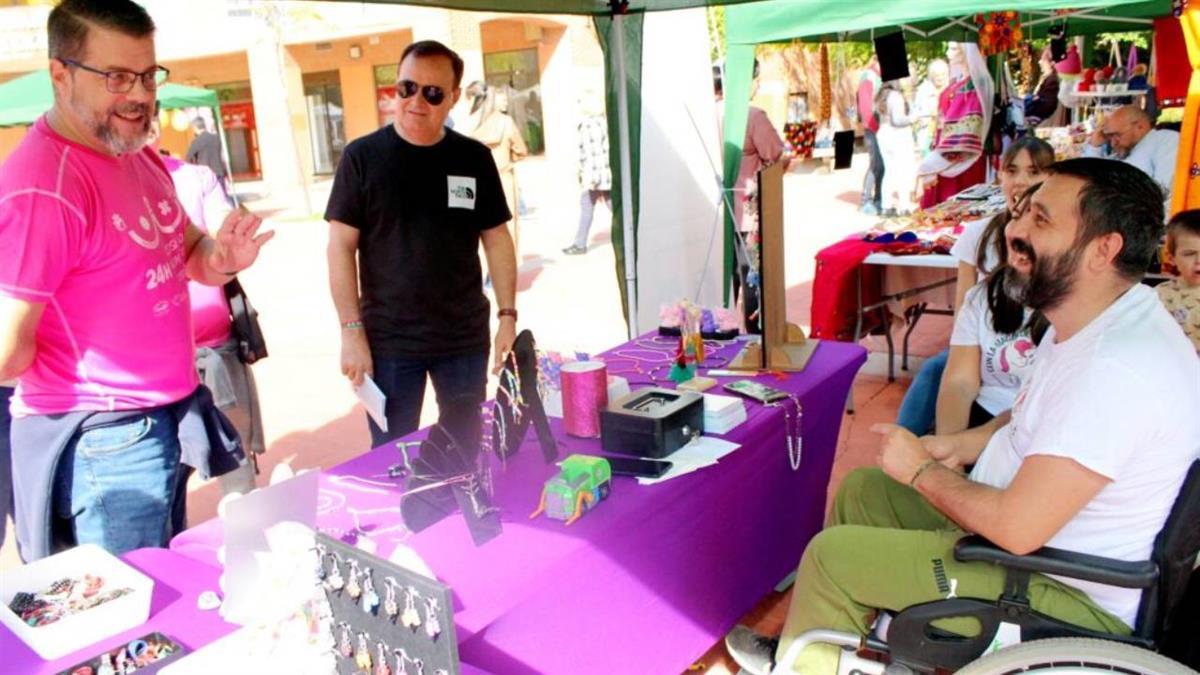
{"x": 252, "y": 346}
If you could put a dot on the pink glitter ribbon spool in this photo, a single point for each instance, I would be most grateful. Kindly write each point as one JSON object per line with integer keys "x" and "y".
{"x": 585, "y": 394}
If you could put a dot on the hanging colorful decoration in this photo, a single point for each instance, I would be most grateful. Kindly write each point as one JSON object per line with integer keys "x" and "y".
{"x": 826, "y": 86}
{"x": 1177, "y": 7}
{"x": 998, "y": 31}
{"x": 800, "y": 137}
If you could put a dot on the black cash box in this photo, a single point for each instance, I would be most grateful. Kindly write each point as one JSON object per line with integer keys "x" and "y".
{"x": 652, "y": 422}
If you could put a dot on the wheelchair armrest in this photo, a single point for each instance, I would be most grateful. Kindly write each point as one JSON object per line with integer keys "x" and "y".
{"x": 1047, "y": 560}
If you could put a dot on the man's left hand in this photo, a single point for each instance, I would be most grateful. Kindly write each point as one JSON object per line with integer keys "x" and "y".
{"x": 237, "y": 242}
{"x": 506, "y": 335}
{"x": 901, "y": 453}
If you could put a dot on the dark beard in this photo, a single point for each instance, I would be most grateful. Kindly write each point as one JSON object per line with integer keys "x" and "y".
{"x": 1049, "y": 282}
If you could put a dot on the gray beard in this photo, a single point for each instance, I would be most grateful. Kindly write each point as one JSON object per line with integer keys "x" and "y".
{"x": 99, "y": 125}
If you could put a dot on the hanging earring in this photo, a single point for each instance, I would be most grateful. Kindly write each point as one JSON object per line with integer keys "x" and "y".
{"x": 401, "y": 661}
{"x": 370, "y": 599}
{"x": 335, "y": 582}
{"x": 390, "y": 606}
{"x": 106, "y": 665}
{"x": 344, "y": 647}
{"x": 410, "y": 618}
{"x": 352, "y": 585}
{"x": 321, "y": 572}
{"x": 432, "y": 626}
{"x": 381, "y": 665}
{"x": 362, "y": 657}
{"x": 420, "y": 666}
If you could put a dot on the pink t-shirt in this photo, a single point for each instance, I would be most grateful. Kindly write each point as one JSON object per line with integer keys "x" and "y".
{"x": 203, "y": 201}
{"x": 100, "y": 241}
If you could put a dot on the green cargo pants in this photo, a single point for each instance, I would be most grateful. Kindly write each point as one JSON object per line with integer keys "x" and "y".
{"x": 886, "y": 547}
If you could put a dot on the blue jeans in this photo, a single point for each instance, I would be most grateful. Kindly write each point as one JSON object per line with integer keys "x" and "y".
{"x": 919, "y": 407}
{"x": 121, "y": 485}
{"x": 460, "y": 383}
{"x": 6, "y": 494}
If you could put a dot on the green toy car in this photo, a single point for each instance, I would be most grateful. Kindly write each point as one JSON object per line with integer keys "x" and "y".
{"x": 581, "y": 483}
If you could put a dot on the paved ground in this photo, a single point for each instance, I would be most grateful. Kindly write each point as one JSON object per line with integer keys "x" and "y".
{"x": 571, "y": 303}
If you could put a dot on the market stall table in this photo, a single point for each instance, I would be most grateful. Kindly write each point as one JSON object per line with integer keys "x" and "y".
{"x": 647, "y": 581}
{"x": 911, "y": 281}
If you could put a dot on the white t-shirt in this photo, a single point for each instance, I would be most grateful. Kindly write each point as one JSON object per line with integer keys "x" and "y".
{"x": 1004, "y": 359}
{"x": 966, "y": 246}
{"x": 1121, "y": 398}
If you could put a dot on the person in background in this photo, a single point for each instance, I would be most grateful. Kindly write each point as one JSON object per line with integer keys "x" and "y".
{"x": 1043, "y": 104}
{"x": 868, "y": 85}
{"x": 761, "y": 147}
{"x": 1128, "y": 135}
{"x": 964, "y": 117}
{"x": 977, "y": 249}
{"x": 205, "y": 150}
{"x": 896, "y": 146}
{"x": 595, "y": 172}
{"x": 1181, "y": 295}
{"x": 497, "y": 130}
{"x": 231, "y": 382}
{"x": 925, "y": 103}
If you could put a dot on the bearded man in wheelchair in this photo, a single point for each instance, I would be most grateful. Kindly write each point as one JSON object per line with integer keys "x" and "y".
{"x": 1080, "y": 514}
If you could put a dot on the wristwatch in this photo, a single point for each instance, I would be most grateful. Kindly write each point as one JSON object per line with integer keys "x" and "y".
{"x": 507, "y": 311}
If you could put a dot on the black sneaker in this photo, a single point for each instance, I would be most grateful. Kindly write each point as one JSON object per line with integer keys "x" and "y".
{"x": 753, "y": 652}
{"x": 575, "y": 250}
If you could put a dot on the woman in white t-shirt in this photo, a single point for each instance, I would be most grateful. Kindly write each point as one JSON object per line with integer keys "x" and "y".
{"x": 992, "y": 345}
{"x": 1022, "y": 166}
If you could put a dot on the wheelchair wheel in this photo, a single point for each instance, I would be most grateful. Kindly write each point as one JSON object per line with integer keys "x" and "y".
{"x": 1074, "y": 656}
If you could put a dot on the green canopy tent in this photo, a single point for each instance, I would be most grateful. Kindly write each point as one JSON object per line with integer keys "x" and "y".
{"x": 841, "y": 20}
{"x": 25, "y": 98}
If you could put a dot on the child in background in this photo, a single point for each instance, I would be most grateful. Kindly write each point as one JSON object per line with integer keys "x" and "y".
{"x": 1181, "y": 295}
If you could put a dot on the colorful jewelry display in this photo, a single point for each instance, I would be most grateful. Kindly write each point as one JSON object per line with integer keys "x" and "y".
{"x": 140, "y": 653}
{"x": 63, "y": 598}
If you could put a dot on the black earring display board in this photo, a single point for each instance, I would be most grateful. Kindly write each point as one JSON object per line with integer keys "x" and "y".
{"x": 843, "y": 149}
{"x": 438, "y": 656}
{"x": 893, "y": 57}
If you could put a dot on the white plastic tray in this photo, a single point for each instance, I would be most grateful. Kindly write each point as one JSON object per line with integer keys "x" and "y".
{"x": 77, "y": 631}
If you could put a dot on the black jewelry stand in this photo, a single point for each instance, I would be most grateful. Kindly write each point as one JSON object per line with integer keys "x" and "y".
{"x": 502, "y": 412}
{"x": 438, "y": 655}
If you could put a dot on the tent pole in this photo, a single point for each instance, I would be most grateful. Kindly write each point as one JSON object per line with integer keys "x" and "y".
{"x": 626, "y": 173}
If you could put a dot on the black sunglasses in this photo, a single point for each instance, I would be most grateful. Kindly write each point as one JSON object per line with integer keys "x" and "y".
{"x": 433, "y": 94}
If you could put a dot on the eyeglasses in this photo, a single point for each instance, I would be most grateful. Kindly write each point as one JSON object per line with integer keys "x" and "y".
{"x": 432, "y": 93}
{"x": 121, "y": 81}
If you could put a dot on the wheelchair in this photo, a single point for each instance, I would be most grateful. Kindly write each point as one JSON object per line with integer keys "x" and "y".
{"x": 907, "y": 642}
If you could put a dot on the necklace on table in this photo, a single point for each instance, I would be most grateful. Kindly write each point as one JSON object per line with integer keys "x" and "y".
{"x": 792, "y": 417}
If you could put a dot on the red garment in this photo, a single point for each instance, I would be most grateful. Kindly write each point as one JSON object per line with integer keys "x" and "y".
{"x": 835, "y": 289}
{"x": 868, "y": 82}
{"x": 1170, "y": 47}
{"x": 946, "y": 188}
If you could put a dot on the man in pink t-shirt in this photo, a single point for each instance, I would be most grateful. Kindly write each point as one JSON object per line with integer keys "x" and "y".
{"x": 95, "y": 254}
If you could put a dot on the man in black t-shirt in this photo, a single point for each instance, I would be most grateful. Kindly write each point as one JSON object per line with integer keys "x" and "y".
{"x": 414, "y": 200}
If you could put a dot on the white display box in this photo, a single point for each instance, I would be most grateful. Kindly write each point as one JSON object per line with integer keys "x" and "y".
{"x": 77, "y": 631}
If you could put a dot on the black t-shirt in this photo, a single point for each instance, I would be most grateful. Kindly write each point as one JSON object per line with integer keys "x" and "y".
{"x": 419, "y": 211}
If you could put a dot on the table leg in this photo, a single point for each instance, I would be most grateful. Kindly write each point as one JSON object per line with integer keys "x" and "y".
{"x": 916, "y": 311}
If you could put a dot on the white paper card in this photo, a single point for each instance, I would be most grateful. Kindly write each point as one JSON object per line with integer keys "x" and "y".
{"x": 373, "y": 400}
{"x": 702, "y": 452}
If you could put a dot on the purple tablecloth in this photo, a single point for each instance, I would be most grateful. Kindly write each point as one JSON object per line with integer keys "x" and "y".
{"x": 646, "y": 582}
{"x": 178, "y": 582}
